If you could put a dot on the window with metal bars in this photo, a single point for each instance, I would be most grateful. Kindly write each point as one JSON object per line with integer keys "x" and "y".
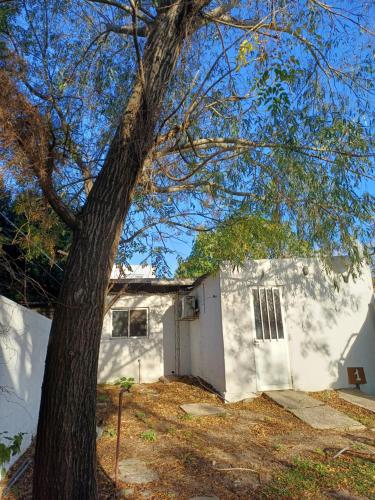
{"x": 267, "y": 314}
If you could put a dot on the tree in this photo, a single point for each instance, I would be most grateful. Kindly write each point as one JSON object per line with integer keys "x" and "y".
{"x": 33, "y": 245}
{"x": 239, "y": 238}
{"x": 172, "y": 116}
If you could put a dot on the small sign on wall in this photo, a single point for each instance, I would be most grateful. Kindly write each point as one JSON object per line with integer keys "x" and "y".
{"x": 356, "y": 376}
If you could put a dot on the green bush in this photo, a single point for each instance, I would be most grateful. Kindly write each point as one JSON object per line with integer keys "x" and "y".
{"x": 8, "y": 449}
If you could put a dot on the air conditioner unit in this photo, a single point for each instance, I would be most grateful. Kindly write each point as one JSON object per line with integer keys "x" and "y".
{"x": 187, "y": 308}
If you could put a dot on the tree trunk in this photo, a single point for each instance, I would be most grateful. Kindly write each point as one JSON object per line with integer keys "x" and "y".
{"x": 65, "y": 457}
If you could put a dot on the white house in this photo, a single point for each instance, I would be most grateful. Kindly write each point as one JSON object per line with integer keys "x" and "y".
{"x": 273, "y": 324}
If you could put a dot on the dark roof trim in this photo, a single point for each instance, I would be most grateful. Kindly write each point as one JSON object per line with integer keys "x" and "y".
{"x": 153, "y": 285}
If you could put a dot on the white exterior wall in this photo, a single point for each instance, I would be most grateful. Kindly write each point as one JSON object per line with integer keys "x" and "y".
{"x": 185, "y": 357}
{"x": 328, "y": 330}
{"x": 206, "y": 335}
{"x": 119, "y": 357}
{"x": 237, "y": 334}
{"x": 23, "y": 346}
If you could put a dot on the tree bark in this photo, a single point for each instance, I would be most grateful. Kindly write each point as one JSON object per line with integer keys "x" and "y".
{"x": 65, "y": 456}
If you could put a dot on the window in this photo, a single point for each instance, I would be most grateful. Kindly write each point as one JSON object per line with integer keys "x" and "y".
{"x": 129, "y": 322}
{"x": 267, "y": 314}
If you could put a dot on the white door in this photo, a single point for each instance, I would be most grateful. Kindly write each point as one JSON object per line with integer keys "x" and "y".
{"x": 270, "y": 342}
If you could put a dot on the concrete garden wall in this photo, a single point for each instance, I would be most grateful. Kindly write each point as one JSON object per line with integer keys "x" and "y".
{"x": 23, "y": 346}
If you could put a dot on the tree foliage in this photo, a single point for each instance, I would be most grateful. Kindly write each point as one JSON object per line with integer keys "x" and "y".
{"x": 263, "y": 110}
{"x": 33, "y": 249}
{"x": 241, "y": 237}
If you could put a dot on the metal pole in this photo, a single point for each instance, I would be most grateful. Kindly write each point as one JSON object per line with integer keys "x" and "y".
{"x": 118, "y": 433}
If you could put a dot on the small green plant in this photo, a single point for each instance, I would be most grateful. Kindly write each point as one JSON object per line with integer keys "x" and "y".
{"x": 8, "y": 449}
{"x": 186, "y": 416}
{"x": 149, "y": 435}
{"x": 110, "y": 431}
{"x": 125, "y": 382}
{"x": 102, "y": 398}
{"x": 140, "y": 415}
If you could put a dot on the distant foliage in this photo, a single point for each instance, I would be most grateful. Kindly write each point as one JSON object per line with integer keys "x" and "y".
{"x": 240, "y": 238}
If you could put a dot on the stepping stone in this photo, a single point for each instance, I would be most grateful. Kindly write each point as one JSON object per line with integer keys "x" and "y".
{"x": 135, "y": 471}
{"x": 202, "y": 409}
{"x": 358, "y": 398}
{"x": 313, "y": 412}
{"x": 292, "y": 400}
{"x": 325, "y": 417}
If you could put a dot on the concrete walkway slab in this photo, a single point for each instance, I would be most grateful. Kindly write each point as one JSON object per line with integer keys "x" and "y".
{"x": 202, "y": 409}
{"x": 313, "y": 412}
{"x": 357, "y": 397}
{"x": 135, "y": 471}
{"x": 293, "y": 400}
{"x": 325, "y": 417}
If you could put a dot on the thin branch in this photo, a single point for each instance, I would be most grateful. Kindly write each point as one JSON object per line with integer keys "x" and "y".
{"x": 112, "y": 3}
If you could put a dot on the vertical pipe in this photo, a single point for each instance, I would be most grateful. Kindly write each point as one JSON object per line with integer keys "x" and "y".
{"x": 177, "y": 336}
{"x": 118, "y": 433}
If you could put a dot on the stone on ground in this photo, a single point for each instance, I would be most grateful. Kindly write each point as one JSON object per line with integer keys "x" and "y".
{"x": 202, "y": 409}
{"x": 135, "y": 471}
{"x": 293, "y": 400}
{"x": 324, "y": 417}
{"x": 314, "y": 412}
{"x": 356, "y": 397}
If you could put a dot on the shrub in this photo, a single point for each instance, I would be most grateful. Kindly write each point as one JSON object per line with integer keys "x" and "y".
{"x": 125, "y": 382}
{"x": 8, "y": 449}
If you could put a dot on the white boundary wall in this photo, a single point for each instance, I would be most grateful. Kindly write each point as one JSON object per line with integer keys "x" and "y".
{"x": 23, "y": 346}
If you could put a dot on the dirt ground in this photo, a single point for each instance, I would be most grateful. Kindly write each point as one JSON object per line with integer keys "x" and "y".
{"x": 275, "y": 454}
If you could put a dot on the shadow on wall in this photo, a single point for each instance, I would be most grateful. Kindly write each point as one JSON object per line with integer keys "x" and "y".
{"x": 329, "y": 329}
{"x": 358, "y": 346}
{"x": 143, "y": 358}
{"x": 23, "y": 346}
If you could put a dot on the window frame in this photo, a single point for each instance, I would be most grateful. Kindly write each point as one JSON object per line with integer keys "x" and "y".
{"x": 128, "y": 309}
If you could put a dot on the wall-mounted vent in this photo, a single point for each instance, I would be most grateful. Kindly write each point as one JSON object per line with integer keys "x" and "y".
{"x": 187, "y": 308}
